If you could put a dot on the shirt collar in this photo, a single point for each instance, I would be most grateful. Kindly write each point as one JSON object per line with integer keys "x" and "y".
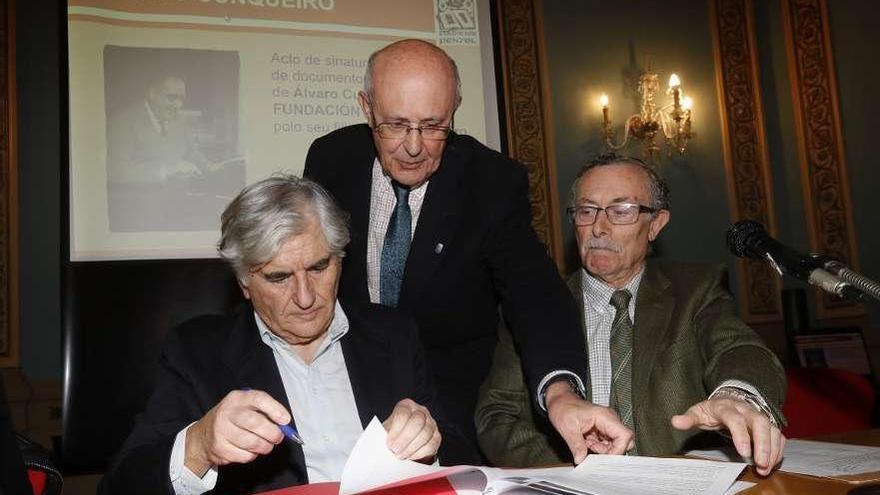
{"x": 597, "y": 293}
{"x": 157, "y": 124}
{"x": 338, "y": 329}
{"x": 379, "y": 173}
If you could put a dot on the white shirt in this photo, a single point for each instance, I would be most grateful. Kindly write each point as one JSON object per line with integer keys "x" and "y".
{"x": 598, "y": 317}
{"x": 382, "y": 203}
{"x": 322, "y": 404}
{"x": 157, "y": 124}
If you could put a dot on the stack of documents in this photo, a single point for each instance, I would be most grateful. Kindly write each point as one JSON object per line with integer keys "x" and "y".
{"x": 854, "y": 463}
{"x": 371, "y": 466}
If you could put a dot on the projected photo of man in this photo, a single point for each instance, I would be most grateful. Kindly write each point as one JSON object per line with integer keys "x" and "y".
{"x": 150, "y": 143}
{"x": 171, "y": 158}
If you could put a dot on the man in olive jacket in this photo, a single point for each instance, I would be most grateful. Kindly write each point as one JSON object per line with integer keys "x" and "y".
{"x": 673, "y": 363}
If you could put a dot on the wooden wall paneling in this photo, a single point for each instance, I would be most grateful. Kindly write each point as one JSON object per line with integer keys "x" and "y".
{"x": 9, "y": 309}
{"x": 824, "y": 181}
{"x": 746, "y": 161}
{"x": 527, "y": 105}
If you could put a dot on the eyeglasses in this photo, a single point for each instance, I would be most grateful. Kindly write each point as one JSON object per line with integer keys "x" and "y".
{"x": 400, "y": 130}
{"x": 617, "y": 214}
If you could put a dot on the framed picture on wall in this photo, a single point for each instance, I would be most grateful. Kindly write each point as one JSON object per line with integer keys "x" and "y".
{"x": 834, "y": 349}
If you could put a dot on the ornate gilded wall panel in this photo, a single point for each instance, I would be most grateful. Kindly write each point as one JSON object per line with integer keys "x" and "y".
{"x": 745, "y": 148}
{"x": 527, "y": 106}
{"x": 8, "y": 190}
{"x": 820, "y": 141}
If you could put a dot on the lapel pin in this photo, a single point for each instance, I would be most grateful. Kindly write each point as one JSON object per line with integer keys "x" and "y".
{"x": 438, "y": 248}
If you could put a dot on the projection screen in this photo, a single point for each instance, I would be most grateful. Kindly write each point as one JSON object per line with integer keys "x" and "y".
{"x": 175, "y": 105}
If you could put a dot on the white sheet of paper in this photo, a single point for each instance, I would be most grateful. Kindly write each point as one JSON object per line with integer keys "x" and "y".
{"x": 371, "y": 463}
{"x": 633, "y": 475}
{"x": 812, "y": 458}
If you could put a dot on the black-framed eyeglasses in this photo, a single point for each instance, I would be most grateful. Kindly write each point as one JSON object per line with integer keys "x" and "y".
{"x": 617, "y": 214}
{"x": 400, "y": 130}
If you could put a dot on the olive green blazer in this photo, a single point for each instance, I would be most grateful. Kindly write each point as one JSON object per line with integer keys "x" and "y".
{"x": 687, "y": 340}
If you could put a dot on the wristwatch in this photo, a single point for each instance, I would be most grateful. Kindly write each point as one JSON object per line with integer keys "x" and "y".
{"x": 748, "y": 398}
{"x": 572, "y": 385}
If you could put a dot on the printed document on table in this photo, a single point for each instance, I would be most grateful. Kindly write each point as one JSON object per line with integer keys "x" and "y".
{"x": 633, "y": 475}
{"x": 371, "y": 466}
{"x": 823, "y": 459}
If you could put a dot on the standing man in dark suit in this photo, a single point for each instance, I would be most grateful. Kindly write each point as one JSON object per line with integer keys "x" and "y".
{"x": 442, "y": 230}
{"x": 293, "y": 355}
{"x": 667, "y": 353}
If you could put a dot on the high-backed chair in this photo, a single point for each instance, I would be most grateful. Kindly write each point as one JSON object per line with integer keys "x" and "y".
{"x": 826, "y": 400}
{"x": 12, "y": 474}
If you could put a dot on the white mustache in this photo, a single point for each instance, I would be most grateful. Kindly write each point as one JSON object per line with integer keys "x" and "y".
{"x": 603, "y": 243}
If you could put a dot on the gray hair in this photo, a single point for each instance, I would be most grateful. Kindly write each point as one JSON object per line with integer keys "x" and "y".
{"x": 657, "y": 185}
{"x": 266, "y": 214}
{"x": 371, "y": 65}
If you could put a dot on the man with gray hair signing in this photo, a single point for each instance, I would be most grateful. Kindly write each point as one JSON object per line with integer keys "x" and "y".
{"x": 293, "y": 357}
{"x": 667, "y": 355}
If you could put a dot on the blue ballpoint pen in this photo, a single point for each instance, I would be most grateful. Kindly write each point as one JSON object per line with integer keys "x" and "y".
{"x": 291, "y": 433}
{"x": 288, "y": 430}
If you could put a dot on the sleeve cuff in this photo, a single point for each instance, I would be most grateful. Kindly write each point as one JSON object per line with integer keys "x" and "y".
{"x": 558, "y": 375}
{"x": 184, "y": 481}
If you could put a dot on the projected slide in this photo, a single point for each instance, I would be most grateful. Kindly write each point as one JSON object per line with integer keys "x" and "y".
{"x": 175, "y": 105}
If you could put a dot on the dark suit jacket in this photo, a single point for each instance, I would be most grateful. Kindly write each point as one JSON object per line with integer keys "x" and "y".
{"x": 687, "y": 341}
{"x": 477, "y": 208}
{"x": 209, "y": 356}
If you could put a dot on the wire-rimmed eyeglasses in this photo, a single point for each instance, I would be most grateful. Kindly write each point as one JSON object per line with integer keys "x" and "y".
{"x": 400, "y": 130}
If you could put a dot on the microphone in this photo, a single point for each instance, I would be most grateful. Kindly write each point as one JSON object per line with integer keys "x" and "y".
{"x": 748, "y": 239}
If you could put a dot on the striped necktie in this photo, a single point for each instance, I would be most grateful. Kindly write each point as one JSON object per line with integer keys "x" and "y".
{"x": 396, "y": 248}
{"x": 621, "y": 359}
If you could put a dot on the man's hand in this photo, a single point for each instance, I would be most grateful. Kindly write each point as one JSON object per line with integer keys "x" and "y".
{"x": 412, "y": 432}
{"x": 584, "y": 426}
{"x": 241, "y": 427}
{"x": 748, "y": 427}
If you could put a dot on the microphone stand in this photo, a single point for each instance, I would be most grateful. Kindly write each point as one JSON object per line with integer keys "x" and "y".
{"x": 863, "y": 285}
{"x": 841, "y": 280}
{"x": 855, "y": 279}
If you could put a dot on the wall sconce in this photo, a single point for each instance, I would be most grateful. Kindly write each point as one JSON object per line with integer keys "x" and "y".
{"x": 673, "y": 120}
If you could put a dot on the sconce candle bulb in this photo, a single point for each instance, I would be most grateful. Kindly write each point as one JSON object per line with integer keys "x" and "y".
{"x": 603, "y": 100}
{"x": 687, "y": 103}
{"x": 675, "y": 88}
{"x": 672, "y": 121}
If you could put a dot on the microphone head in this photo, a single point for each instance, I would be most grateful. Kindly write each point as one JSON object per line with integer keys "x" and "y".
{"x": 741, "y": 237}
